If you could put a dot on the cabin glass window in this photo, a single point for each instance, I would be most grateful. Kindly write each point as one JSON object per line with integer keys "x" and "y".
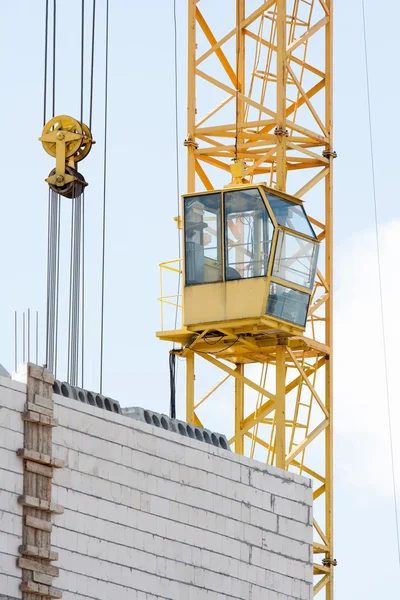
{"x": 248, "y": 235}
{"x": 291, "y": 215}
{"x": 203, "y": 260}
{"x": 295, "y": 259}
{"x": 288, "y": 304}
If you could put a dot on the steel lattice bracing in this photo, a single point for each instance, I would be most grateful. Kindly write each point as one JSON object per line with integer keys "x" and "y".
{"x": 260, "y": 90}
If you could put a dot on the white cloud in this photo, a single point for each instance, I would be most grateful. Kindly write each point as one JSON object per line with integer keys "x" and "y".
{"x": 361, "y": 416}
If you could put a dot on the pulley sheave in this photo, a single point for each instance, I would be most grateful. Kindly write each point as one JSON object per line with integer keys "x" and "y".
{"x": 72, "y": 189}
{"x": 69, "y": 141}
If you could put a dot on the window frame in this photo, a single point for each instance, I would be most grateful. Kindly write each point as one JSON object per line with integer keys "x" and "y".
{"x": 295, "y": 288}
{"x": 225, "y": 239}
{"x": 221, "y": 232}
{"x": 315, "y": 255}
{"x": 285, "y": 198}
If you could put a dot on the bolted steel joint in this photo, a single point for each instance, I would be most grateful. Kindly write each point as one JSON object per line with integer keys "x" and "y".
{"x": 329, "y": 562}
{"x": 281, "y": 131}
{"x": 329, "y": 154}
{"x": 189, "y": 143}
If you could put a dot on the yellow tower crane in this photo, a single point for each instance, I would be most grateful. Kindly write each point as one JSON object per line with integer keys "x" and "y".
{"x": 256, "y": 298}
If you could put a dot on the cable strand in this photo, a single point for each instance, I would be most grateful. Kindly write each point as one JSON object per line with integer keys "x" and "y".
{"x": 46, "y": 45}
{"x": 177, "y": 168}
{"x": 104, "y": 200}
{"x": 238, "y": 33}
{"x": 92, "y": 65}
{"x": 382, "y": 314}
{"x": 82, "y": 52}
{"x": 54, "y": 55}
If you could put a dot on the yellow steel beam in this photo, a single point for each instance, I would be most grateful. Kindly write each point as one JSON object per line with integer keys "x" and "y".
{"x": 260, "y": 117}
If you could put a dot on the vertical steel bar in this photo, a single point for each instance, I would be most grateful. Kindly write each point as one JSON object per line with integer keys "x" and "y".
{"x": 29, "y": 334}
{"x": 190, "y": 387}
{"x": 240, "y": 61}
{"x": 328, "y": 305}
{"x": 23, "y": 337}
{"x": 239, "y": 410}
{"x": 281, "y": 74}
{"x": 37, "y": 337}
{"x": 15, "y": 341}
{"x": 280, "y": 435}
{"x": 191, "y": 107}
{"x": 57, "y": 276}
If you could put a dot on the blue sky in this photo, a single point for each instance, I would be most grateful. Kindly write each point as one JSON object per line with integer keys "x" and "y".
{"x": 141, "y": 204}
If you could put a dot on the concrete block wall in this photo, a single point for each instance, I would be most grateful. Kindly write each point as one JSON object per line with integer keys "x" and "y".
{"x": 150, "y": 515}
{"x": 12, "y": 401}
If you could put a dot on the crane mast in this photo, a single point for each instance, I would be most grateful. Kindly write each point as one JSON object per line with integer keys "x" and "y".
{"x": 260, "y": 108}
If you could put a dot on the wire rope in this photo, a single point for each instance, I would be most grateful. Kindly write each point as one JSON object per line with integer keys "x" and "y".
{"x": 174, "y": 368}
{"x": 82, "y": 52}
{"x": 378, "y": 251}
{"x": 92, "y": 64}
{"x": 46, "y": 43}
{"x": 238, "y": 34}
{"x": 57, "y": 285}
{"x": 70, "y": 292}
{"x": 177, "y": 168}
{"x": 82, "y": 214}
{"x": 48, "y": 279}
{"x": 83, "y": 291}
{"x": 104, "y": 197}
{"x": 54, "y": 55}
{"x": 76, "y": 316}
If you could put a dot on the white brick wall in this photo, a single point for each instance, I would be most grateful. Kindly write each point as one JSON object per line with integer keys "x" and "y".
{"x": 150, "y": 515}
{"x": 12, "y": 400}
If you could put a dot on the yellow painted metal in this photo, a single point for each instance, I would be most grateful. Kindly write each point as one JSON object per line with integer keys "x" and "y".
{"x": 239, "y": 409}
{"x": 280, "y": 410}
{"x": 69, "y": 141}
{"x": 190, "y": 414}
{"x": 65, "y": 130}
{"x": 266, "y": 101}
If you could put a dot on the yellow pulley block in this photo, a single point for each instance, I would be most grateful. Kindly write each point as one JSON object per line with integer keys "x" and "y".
{"x": 69, "y": 141}
{"x": 86, "y": 145}
{"x": 62, "y": 129}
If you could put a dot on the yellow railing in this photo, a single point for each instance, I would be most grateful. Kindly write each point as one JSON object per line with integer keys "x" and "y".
{"x": 171, "y": 266}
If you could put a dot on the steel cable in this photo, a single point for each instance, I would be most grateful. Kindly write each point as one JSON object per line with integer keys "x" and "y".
{"x": 82, "y": 214}
{"x": 104, "y": 197}
{"x": 174, "y": 373}
{"x": 92, "y": 65}
{"x": 54, "y": 54}
{"x": 177, "y": 170}
{"x": 82, "y": 52}
{"x": 70, "y": 292}
{"x": 77, "y": 241}
{"x": 83, "y": 291}
{"x": 53, "y": 228}
{"x": 238, "y": 34}
{"x": 48, "y": 279}
{"x": 378, "y": 251}
{"x": 46, "y": 39}
{"x": 52, "y": 267}
{"x": 57, "y": 284}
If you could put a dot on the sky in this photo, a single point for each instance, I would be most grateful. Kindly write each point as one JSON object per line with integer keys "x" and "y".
{"x": 141, "y": 204}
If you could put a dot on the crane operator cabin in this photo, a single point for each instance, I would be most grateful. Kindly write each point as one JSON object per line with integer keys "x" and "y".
{"x": 250, "y": 253}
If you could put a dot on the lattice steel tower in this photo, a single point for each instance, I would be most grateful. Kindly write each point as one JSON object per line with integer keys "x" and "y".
{"x": 255, "y": 299}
